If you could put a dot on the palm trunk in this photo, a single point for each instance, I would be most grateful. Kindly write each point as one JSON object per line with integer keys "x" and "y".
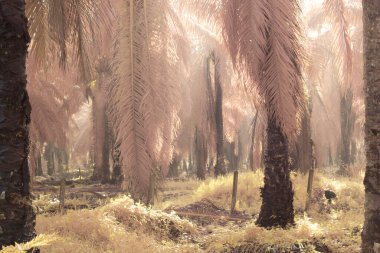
{"x": 239, "y": 155}
{"x": 191, "y": 160}
{"x": 263, "y": 148}
{"x": 17, "y": 218}
{"x": 184, "y": 165}
{"x": 106, "y": 173}
{"x": 32, "y": 163}
{"x": 354, "y": 152}
{"x": 277, "y": 193}
{"x": 220, "y": 168}
{"x": 39, "y": 165}
{"x": 252, "y": 147}
{"x": 117, "y": 177}
{"x": 59, "y": 159}
{"x": 49, "y": 156}
{"x": 201, "y": 154}
{"x": 371, "y": 230}
{"x": 303, "y": 156}
{"x": 331, "y": 160}
{"x": 174, "y": 167}
{"x": 229, "y": 152}
{"x": 101, "y": 144}
{"x": 346, "y": 131}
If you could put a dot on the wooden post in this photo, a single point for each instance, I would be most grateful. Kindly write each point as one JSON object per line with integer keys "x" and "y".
{"x": 310, "y": 180}
{"x": 62, "y": 196}
{"x": 234, "y": 191}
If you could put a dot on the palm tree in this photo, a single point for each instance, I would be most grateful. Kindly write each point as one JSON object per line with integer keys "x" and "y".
{"x": 100, "y": 122}
{"x": 335, "y": 52}
{"x": 264, "y": 39}
{"x": 63, "y": 32}
{"x": 371, "y": 230}
{"x": 343, "y": 61}
{"x": 220, "y": 168}
{"x": 17, "y": 216}
{"x": 54, "y": 99}
{"x": 143, "y": 107}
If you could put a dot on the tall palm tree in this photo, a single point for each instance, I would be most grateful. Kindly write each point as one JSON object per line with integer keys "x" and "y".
{"x": 264, "y": 39}
{"x": 343, "y": 61}
{"x": 17, "y": 218}
{"x": 62, "y": 32}
{"x": 371, "y": 20}
{"x": 143, "y": 106}
{"x": 335, "y": 52}
{"x": 220, "y": 168}
{"x": 100, "y": 122}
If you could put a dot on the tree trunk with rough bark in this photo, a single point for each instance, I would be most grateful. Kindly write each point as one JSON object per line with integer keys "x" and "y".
{"x": 17, "y": 218}
{"x": 371, "y": 230}
{"x": 277, "y": 193}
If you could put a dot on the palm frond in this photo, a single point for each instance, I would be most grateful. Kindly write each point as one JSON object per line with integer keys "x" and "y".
{"x": 60, "y": 27}
{"x": 335, "y": 10}
{"x": 127, "y": 94}
{"x": 269, "y": 48}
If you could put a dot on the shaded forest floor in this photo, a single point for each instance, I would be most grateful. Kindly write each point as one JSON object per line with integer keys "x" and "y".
{"x": 193, "y": 216}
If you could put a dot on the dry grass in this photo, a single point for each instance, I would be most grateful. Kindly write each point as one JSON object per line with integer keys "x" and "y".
{"x": 336, "y": 225}
{"x": 120, "y": 226}
{"x": 350, "y": 191}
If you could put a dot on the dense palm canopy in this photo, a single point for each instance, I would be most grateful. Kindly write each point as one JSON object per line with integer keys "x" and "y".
{"x": 134, "y": 92}
{"x": 152, "y": 68}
